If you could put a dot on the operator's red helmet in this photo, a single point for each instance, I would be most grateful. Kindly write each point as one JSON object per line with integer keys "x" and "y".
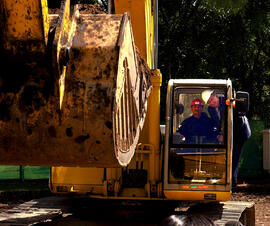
{"x": 197, "y": 101}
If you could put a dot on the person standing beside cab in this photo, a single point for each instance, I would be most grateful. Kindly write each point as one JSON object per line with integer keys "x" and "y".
{"x": 242, "y": 133}
{"x": 215, "y": 110}
{"x": 241, "y": 128}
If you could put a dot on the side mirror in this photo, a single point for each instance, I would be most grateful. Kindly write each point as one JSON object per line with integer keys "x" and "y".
{"x": 242, "y": 102}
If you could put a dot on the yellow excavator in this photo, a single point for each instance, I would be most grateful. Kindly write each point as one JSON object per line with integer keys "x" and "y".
{"x": 76, "y": 95}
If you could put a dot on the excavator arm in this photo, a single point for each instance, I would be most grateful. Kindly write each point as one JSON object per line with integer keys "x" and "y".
{"x": 72, "y": 93}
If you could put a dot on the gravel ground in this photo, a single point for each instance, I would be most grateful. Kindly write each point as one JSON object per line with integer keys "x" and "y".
{"x": 257, "y": 191}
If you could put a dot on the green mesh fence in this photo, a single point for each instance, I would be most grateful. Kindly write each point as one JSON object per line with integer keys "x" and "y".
{"x": 9, "y": 172}
{"x": 251, "y": 163}
{"x": 27, "y": 172}
{"x": 36, "y": 172}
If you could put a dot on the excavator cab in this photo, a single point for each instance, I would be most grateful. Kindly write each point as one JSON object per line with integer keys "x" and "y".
{"x": 197, "y": 158}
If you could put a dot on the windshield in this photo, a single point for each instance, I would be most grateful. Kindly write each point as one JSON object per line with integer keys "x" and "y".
{"x": 198, "y": 118}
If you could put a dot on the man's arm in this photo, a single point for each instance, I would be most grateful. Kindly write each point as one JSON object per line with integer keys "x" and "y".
{"x": 245, "y": 128}
{"x": 215, "y": 134}
{"x": 214, "y": 115}
{"x": 183, "y": 129}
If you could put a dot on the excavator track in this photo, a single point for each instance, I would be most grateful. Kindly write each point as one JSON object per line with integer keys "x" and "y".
{"x": 66, "y": 210}
{"x": 238, "y": 211}
{"x": 222, "y": 212}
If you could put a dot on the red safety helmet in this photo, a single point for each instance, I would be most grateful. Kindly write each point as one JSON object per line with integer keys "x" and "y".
{"x": 197, "y": 101}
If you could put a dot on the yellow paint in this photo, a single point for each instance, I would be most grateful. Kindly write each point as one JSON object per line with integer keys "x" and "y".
{"x": 26, "y": 20}
{"x": 142, "y": 24}
{"x": 151, "y": 131}
{"x": 77, "y": 175}
{"x": 46, "y": 20}
{"x": 83, "y": 180}
{"x": 62, "y": 86}
{"x": 149, "y": 28}
{"x": 196, "y": 195}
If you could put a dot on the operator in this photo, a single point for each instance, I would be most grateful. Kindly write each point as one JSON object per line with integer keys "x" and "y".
{"x": 198, "y": 128}
{"x": 215, "y": 109}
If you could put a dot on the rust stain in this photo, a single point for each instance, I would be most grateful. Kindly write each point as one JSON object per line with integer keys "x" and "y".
{"x": 98, "y": 77}
{"x": 5, "y": 105}
{"x": 108, "y": 124}
{"x": 31, "y": 99}
{"x": 108, "y": 70}
{"x": 98, "y": 95}
{"x": 52, "y": 131}
{"x": 82, "y": 138}
{"x": 29, "y": 131}
{"x": 97, "y": 27}
{"x": 69, "y": 132}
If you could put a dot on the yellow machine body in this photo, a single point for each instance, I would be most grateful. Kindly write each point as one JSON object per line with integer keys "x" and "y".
{"x": 142, "y": 178}
{"x": 108, "y": 181}
{"x": 80, "y": 99}
{"x": 198, "y": 195}
{"x": 25, "y": 22}
{"x": 142, "y": 20}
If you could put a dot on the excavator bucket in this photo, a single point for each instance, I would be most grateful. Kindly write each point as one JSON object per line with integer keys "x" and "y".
{"x": 80, "y": 102}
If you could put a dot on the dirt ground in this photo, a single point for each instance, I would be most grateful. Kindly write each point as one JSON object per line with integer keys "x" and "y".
{"x": 257, "y": 191}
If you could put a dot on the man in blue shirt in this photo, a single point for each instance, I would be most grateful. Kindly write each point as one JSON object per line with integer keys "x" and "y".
{"x": 198, "y": 128}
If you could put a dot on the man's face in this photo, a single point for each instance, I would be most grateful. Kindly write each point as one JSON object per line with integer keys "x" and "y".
{"x": 213, "y": 101}
{"x": 197, "y": 110}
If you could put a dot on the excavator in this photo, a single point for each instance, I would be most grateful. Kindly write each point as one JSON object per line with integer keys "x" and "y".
{"x": 80, "y": 92}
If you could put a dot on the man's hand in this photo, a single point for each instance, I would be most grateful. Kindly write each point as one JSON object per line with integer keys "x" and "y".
{"x": 220, "y": 138}
{"x": 182, "y": 137}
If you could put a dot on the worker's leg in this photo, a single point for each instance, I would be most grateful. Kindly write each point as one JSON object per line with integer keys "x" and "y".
{"x": 237, "y": 151}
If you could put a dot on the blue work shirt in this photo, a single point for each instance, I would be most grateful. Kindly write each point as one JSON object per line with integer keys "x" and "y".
{"x": 218, "y": 116}
{"x": 241, "y": 133}
{"x": 199, "y": 130}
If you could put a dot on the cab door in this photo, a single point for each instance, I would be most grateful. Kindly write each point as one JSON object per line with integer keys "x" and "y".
{"x": 197, "y": 159}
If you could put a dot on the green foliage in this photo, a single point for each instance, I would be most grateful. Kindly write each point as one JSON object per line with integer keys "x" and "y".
{"x": 251, "y": 163}
{"x": 29, "y": 172}
{"x": 229, "y": 6}
{"x": 199, "y": 41}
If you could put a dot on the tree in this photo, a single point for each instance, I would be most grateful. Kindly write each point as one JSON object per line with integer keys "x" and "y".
{"x": 204, "y": 41}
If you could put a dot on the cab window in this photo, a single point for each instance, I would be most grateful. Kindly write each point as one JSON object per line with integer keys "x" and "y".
{"x": 198, "y": 153}
{"x": 198, "y": 116}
